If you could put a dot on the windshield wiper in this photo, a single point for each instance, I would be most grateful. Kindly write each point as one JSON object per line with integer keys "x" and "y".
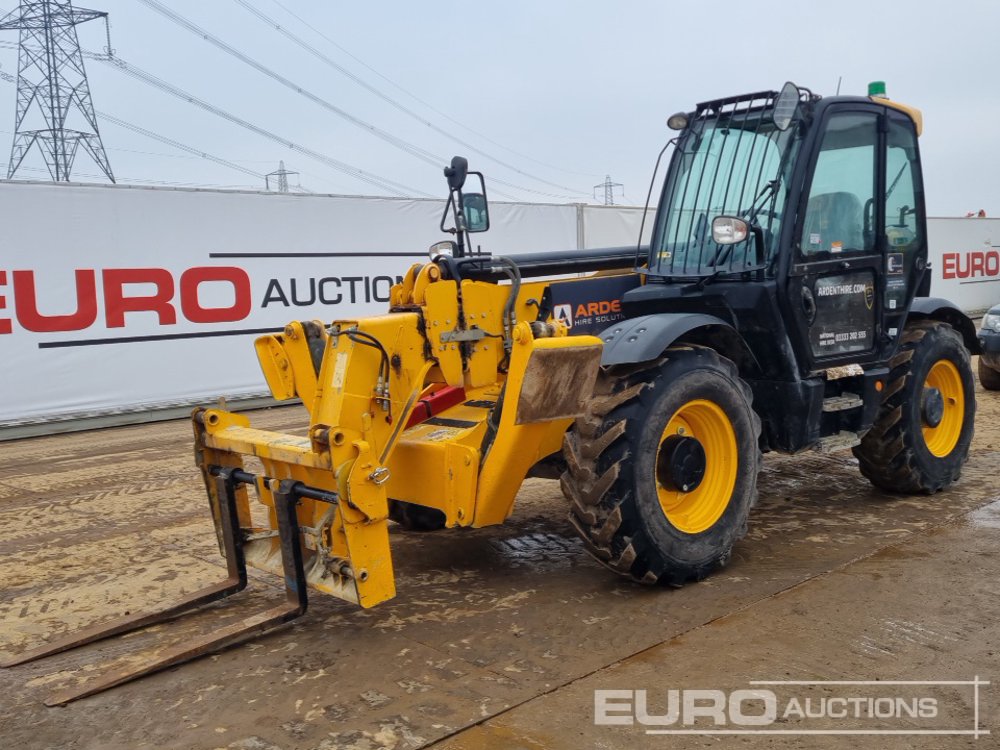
{"x": 760, "y": 200}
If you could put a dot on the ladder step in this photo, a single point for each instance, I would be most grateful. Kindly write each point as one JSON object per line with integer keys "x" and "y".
{"x": 843, "y": 402}
{"x": 839, "y": 442}
{"x": 847, "y": 371}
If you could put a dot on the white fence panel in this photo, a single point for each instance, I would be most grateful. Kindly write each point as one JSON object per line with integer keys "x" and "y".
{"x": 143, "y": 298}
{"x": 965, "y": 258}
{"x": 614, "y": 226}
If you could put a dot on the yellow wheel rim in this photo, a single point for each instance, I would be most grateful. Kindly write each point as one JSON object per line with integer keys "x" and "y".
{"x": 698, "y": 510}
{"x": 944, "y": 376}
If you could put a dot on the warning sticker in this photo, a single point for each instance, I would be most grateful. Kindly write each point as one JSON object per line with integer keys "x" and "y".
{"x": 441, "y": 435}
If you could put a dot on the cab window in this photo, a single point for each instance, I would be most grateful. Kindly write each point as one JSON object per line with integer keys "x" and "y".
{"x": 901, "y": 165}
{"x": 839, "y": 215}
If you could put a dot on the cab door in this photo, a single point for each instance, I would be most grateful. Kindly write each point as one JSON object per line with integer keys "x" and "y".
{"x": 835, "y": 279}
{"x": 904, "y": 224}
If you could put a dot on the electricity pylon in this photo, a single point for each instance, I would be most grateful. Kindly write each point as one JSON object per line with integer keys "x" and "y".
{"x": 52, "y": 88}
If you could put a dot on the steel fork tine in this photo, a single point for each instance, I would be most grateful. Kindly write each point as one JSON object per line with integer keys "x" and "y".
{"x": 235, "y": 582}
{"x": 296, "y": 601}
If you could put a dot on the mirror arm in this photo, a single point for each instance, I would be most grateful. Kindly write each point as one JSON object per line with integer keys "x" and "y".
{"x": 444, "y": 216}
{"x": 758, "y": 241}
{"x": 460, "y": 230}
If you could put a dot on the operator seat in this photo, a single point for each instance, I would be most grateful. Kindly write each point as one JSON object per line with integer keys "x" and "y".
{"x": 832, "y": 218}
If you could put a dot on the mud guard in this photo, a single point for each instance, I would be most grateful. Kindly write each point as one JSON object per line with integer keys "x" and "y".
{"x": 647, "y": 337}
{"x": 936, "y": 308}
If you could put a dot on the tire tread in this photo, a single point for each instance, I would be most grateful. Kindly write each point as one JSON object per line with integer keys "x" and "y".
{"x": 597, "y": 448}
{"x": 888, "y": 454}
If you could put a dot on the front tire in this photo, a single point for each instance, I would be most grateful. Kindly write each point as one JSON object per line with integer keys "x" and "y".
{"x": 662, "y": 470}
{"x": 924, "y": 427}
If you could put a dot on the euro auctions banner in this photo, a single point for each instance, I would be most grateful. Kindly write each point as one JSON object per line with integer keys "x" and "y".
{"x": 965, "y": 258}
{"x": 120, "y": 299}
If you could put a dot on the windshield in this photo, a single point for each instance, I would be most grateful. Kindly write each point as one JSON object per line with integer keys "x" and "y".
{"x": 734, "y": 163}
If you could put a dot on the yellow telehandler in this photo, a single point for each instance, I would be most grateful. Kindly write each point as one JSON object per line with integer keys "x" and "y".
{"x": 781, "y": 305}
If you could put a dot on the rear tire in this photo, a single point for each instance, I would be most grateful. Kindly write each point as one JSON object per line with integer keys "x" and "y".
{"x": 414, "y": 517}
{"x": 903, "y": 452}
{"x": 639, "y": 504}
{"x": 988, "y": 377}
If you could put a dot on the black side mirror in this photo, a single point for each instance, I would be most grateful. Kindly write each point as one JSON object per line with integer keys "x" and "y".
{"x": 457, "y": 172}
{"x": 785, "y": 106}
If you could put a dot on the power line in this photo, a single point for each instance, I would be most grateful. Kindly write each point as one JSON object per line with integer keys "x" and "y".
{"x": 161, "y": 154}
{"x": 197, "y": 153}
{"x": 389, "y": 186}
{"x": 36, "y": 21}
{"x": 184, "y": 23}
{"x": 133, "y": 71}
{"x": 146, "y": 181}
{"x": 170, "y": 142}
{"x": 249, "y": 7}
{"x": 417, "y": 99}
{"x": 410, "y": 148}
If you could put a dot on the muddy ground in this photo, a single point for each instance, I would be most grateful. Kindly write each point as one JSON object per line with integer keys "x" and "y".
{"x": 499, "y": 637}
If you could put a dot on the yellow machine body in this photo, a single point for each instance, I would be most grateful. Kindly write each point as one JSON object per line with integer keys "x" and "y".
{"x": 360, "y": 381}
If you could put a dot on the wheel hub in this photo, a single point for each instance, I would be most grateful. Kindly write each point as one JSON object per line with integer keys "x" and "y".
{"x": 680, "y": 466}
{"x": 932, "y": 407}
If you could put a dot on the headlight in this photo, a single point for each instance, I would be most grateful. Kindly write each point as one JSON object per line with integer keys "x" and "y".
{"x": 991, "y": 322}
{"x": 441, "y": 248}
{"x": 729, "y": 230}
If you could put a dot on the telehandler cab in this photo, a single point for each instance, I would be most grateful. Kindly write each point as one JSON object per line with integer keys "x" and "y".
{"x": 780, "y": 306}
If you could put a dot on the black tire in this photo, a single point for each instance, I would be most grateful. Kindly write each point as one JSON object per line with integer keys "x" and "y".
{"x": 988, "y": 377}
{"x": 611, "y": 478}
{"x": 414, "y": 517}
{"x": 894, "y": 455}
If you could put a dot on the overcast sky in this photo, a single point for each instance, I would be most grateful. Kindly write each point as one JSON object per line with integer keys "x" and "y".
{"x": 563, "y": 93}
